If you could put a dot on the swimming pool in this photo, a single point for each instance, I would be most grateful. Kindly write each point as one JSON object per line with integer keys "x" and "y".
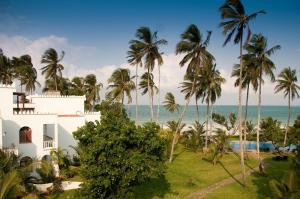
{"x": 251, "y": 145}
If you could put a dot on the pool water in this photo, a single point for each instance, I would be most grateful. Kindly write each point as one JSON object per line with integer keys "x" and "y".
{"x": 251, "y": 145}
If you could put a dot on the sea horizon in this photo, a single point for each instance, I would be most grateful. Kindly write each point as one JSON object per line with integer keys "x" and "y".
{"x": 278, "y": 112}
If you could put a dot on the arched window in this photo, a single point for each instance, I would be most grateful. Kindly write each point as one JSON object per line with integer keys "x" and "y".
{"x": 25, "y": 135}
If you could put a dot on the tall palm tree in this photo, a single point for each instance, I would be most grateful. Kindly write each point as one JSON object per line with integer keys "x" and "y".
{"x": 92, "y": 89}
{"x": 135, "y": 58}
{"x": 170, "y": 103}
{"x": 6, "y": 69}
{"x": 53, "y": 68}
{"x": 196, "y": 55}
{"x": 234, "y": 21}
{"x": 148, "y": 44}
{"x": 121, "y": 84}
{"x": 286, "y": 82}
{"x": 212, "y": 81}
{"x": 147, "y": 82}
{"x": 258, "y": 49}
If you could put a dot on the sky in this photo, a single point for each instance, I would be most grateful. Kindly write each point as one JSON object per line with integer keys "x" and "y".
{"x": 95, "y": 35}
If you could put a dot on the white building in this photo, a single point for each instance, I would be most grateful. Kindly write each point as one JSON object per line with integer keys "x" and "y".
{"x": 47, "y": 122}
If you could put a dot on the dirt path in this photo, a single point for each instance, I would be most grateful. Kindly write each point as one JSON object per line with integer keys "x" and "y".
{"x": 202, "y": 192}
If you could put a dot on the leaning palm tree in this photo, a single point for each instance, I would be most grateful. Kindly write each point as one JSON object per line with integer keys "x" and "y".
{"x": 53, "y": 68}
{"x": 135, "y": 58}
{"x": 286, "y": 82}
{"x": 92, "y": 89}
{"x": 121, "y": 85}
{"x": 212, "y": 81}
{"x": 77, "y": 86}
{"x": 234, "y": 22}
{"x": 148, "y": 44}
{"x": 170, "y": 103}
{"x": 258, "y": 49}
{"x": 196, "y": 55}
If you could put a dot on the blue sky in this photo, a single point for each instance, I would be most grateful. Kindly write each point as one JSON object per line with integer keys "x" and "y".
{"x": 95, "y": 34}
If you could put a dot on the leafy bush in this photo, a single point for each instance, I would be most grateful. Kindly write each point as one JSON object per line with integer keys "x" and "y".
{"x": 116, "y": 155}
{"x": 192, "y": 138}
{"x": 46, "y": 171}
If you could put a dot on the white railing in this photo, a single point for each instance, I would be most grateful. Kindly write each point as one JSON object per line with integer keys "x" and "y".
{"x": 48, "y": 144}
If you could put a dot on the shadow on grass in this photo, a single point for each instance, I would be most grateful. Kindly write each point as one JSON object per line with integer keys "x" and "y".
{"x": 232, "y": 176}
{"x": 274, "y": 170}
{"x": 155, "y": 188}
{"x": 175, "y": 155}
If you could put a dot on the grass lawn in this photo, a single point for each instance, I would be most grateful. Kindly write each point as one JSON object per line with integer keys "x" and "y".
{"x": 188, "y": 173}
{"x": 257, "y": 185}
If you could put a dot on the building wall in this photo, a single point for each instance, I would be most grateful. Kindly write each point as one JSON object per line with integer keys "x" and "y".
{"x": 6, "y": 100}
{"x": 58, "y": 104}
{"x": 36, "y": 123}
{"x": 67, "y": 125}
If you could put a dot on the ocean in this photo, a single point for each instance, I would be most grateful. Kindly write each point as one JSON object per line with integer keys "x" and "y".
{"x": 278, "y": 112}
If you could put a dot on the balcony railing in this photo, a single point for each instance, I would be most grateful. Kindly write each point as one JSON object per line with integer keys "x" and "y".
{"x": 48, "y": 144}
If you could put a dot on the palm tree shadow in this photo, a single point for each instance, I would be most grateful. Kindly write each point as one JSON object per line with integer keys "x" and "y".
{"x": 232, "y": 176}
{"x": 178, "y": 154}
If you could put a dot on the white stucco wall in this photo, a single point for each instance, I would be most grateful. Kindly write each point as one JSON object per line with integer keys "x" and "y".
{"x": 58, "y": 104}
{"x": 6, "y": 100}
{"x": 35, "y": 122}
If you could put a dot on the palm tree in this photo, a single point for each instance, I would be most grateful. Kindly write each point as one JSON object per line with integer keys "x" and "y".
{"x": 192, "y": 138}
{"x": 53, "y": 68}
{"x": 148, "y": 44}
{"x": 147, "y": 82}
{"x": 234, "y": 22}
{"x": 77, "y": 86}
{"x": 121, "y": 84}
{"x": 92, "y": 89}
{"x": 170, "y": 103}
{"x": 212, "y": 81}
{"x": 286, "y": 82}
{"x": 258, "y": 49}
{"x": 196, "y": 55}
{"x": 6, "y": 69}
{"x": 135, "y": 58}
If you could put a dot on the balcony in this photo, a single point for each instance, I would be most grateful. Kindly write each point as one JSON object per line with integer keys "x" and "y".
{"x": 48, "y": 144}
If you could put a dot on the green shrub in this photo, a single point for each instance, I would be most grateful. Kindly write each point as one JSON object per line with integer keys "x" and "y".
{"x": 116, "y": 155}
{"x": 46, "y": 171}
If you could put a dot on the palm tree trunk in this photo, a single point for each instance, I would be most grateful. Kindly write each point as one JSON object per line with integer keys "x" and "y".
{"x": 136, "y": 94}
{"x": 180, "y": 121}
{"x": 55, "y": 80}
{"x": 288, "y": 122}
{"x": 198, "y": 114}
{"x": 246, "y": 114}
{"x": 158, "y": 101}
{"x": 240, "y": 112}
{"x": 258, "y": 114}
{"x": 206, "y": 131}
{"x": 150, "y": 96}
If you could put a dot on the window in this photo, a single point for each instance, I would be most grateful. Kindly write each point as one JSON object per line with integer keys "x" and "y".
{"x": 25, "y": 135}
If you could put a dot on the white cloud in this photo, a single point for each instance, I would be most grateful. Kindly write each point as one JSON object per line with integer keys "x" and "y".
{"x": 83, "y": 60}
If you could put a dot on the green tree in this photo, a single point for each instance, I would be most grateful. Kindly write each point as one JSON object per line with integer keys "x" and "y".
{"x": 271, "y": 131}
{"x": 121, "y": 85}
{"x": 196, "y": 55}
{"x": 77, "y": 86}
{"x": 193, "y": 137}
{"x": 211, "y": 81}
{"x": 220, "y": 144}
{"x": 294, "y": 133}
{"x": 6, "y": 69}
{"x": 92, "y": 89}
{"x": 53, "y": 68}
{"x": 148, "y": 44}
{"x": 287, "y": 83}
{"x": 170, "y": 103}
{"x": 135, "y": 58}
{"x": 234, "y": 22}
{"x": 117, "y": 155}
{"x": 258, "y": 49}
